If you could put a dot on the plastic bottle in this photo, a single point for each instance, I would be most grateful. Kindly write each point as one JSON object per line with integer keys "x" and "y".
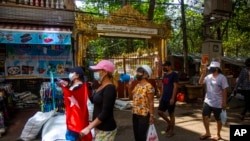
{"x": 62, "y": 82}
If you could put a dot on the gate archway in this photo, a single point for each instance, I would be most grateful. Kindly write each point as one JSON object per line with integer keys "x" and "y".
{"x": 126, "y": 22}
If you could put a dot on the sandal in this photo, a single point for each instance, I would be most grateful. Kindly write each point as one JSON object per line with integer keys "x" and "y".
{"x": 204, "y": 137}
{"x": 216, "y": 138}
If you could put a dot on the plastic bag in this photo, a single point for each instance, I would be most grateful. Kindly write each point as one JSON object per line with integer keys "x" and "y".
{"x": 223, "y": 117}
{"x": 152, "y": 134}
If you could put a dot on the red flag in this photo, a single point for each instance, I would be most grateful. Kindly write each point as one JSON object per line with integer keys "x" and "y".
{"x": 77, "y": 116}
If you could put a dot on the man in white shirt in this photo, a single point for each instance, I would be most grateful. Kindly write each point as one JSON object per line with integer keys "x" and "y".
{"x": 215, "y": 97}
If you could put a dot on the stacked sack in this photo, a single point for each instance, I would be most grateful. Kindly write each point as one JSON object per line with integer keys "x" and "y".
{"x": 25, "y": 100}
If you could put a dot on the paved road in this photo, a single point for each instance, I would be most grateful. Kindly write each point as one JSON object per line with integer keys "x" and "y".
{"x": 189, "y": 124}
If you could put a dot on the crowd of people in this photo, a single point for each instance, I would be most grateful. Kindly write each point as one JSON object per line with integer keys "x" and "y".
{"x": 103, "y": 98}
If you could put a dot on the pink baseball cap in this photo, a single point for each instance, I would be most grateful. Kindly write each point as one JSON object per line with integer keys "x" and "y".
{"x": 104, "y": 65}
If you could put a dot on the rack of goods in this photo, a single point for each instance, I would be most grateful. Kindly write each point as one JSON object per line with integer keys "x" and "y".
{"x": 51, "y": 97}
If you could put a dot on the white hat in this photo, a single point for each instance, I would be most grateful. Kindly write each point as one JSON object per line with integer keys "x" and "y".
{"x": 147, "y": 69}
{"x": 214, "y": 64}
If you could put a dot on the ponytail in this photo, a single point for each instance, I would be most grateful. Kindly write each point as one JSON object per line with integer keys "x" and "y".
{"x": 114, "y": 82}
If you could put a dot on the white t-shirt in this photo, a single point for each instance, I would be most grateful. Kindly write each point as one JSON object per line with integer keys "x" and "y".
{"x": 215, "y": 87}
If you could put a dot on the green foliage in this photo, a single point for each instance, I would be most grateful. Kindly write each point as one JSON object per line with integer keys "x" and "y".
{"x": 235, "y": 31}
{"x": 237, "y": 42}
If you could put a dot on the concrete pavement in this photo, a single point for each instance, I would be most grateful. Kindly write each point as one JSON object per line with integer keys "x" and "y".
{"x": 189, "y": 125}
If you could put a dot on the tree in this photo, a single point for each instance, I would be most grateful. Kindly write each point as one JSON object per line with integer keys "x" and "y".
{"x": 104, "y": 8}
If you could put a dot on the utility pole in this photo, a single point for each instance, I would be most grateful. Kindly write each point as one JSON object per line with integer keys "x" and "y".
{"x": 184, "y": 32}
{"x": 215, "y": 12}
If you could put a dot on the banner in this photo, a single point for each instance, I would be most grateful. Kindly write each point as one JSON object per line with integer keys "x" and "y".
{"x": 13, "y": 37}
{"x": 37, "y": 60}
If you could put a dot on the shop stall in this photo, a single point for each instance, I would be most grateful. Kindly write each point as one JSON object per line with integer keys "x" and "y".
{"x": 29, "y": 55}
{"x": 35, "y": 51}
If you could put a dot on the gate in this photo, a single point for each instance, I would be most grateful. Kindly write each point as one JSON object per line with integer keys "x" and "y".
{"x": 128, "y": 65}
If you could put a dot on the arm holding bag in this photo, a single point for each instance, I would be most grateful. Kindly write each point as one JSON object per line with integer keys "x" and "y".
{"x": 152, "y": 134}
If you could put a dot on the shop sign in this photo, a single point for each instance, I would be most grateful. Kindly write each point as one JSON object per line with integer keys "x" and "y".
{"x": 23, "y": 61}
{"x": 29, "y": 37}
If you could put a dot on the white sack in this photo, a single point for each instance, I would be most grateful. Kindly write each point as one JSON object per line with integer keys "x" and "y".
{"x": 122, "y": 105}
{"x": 55, "y": 128}
{"x": 34, "y": 125}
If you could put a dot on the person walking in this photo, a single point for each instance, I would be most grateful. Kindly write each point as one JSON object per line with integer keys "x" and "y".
{"x": 143, "y": 103}
{"x": 168, "y": 97}
{"x": 215, "y": 97}
{"x": 75, "y": 100}
{"x": 244, "y": 83}
{"x": 103, "y": 98}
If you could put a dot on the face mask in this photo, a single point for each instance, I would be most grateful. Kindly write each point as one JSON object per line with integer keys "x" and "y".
{"x": 97, "y": 76}
{"x": 212, "y": 70}
{"x": 138, "y": 77}
{"x": 165, "y": 69}
{"x": 71, "y": 76}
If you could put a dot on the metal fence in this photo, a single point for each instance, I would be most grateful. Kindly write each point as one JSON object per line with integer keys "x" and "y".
{"x": 129, "y": 65}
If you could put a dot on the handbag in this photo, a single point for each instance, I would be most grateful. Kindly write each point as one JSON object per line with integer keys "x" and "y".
{"x": 223, "y": 116}
{"x": 152, "y": 134}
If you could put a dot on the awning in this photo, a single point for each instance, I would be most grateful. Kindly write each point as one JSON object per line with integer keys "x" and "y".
{"x": 31, "y": 34}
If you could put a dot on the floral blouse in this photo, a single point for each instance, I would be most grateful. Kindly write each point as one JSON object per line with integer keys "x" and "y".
{"x": 140, "y": 99}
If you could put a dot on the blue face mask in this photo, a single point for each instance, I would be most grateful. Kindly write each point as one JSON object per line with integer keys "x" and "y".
{"x": 97, "y": 76}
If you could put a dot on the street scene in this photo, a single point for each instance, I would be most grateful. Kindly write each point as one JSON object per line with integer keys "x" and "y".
{"x": 124, "y": 70}
{"x": 189, "y": 124}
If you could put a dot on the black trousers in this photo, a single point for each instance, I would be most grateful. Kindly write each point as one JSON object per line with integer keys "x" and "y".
{"x": 140, "y": 127}
{"x": 246, "y": 94}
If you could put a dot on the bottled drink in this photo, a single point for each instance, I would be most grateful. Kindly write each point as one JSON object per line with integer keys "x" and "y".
{"x": 62, "y": 82}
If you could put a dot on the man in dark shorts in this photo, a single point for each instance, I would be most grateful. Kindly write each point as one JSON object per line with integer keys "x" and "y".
{"x": 215, "y": 97}
{"x": 168, "y": 95}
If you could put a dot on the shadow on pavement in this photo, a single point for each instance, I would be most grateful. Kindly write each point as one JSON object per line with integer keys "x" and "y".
{"x": 188, "y": 127}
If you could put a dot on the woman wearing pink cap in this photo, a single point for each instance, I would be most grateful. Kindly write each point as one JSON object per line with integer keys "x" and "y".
{"x": 104, "y": 100}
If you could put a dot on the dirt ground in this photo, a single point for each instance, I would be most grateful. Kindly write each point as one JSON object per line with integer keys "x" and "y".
{"x": 189, "y": 124}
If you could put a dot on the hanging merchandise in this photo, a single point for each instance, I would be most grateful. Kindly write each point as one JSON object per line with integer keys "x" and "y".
{"x": 51, "y": 96}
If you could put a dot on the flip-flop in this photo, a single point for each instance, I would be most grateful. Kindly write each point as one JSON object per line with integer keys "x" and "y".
{"x": 216, "y": 138}
{"x": 204, "y": 137}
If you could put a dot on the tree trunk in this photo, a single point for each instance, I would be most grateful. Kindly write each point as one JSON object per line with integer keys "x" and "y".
{"x": 125, "y": 2}
{"x": 151, "y": 10}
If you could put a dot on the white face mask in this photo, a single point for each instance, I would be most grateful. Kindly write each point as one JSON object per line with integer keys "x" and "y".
{"x": 71, "y": 76}
{"x": 97, "y": 76}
